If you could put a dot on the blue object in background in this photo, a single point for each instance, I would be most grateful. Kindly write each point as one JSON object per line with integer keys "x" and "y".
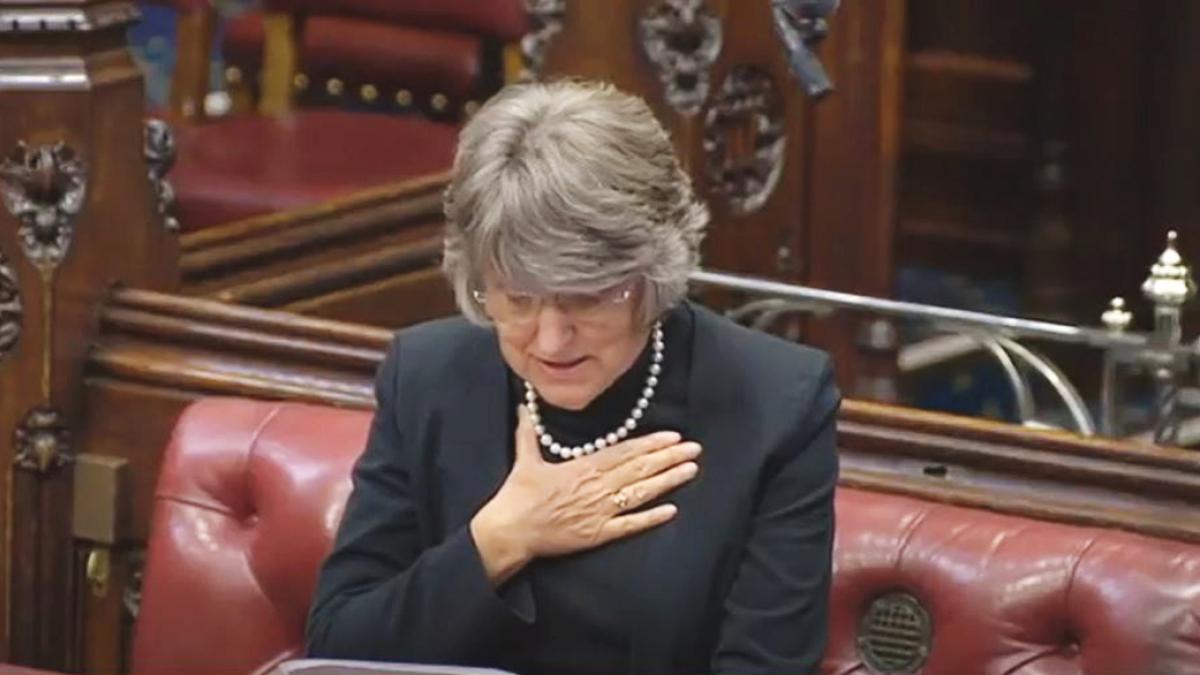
{"x": 976, "y": 386}
{"x": 152, "y": 41}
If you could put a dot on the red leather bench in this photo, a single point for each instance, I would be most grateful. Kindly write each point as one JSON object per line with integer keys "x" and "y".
{"x": 251, "y": 492}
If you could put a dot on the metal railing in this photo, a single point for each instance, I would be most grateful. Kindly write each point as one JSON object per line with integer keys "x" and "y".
{"x": 1160, "y": 352}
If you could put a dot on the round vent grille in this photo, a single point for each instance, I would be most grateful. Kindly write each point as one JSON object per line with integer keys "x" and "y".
{"x": 894, "y": 635}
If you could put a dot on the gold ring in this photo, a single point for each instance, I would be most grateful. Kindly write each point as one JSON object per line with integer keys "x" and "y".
{"x": 620, "y": 499}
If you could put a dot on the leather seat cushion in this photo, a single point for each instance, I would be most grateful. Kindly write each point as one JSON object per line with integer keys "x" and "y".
{"x": 504, "y": 20}
{"x": 248, "y": 165}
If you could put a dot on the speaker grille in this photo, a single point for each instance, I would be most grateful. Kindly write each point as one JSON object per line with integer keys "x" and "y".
{"x": 894, "y": 635}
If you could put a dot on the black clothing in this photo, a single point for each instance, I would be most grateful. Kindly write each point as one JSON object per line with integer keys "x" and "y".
{"x": 738, "y": 582}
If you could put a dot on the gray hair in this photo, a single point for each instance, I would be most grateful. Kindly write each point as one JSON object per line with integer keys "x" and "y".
{"x": 570, "y": 187}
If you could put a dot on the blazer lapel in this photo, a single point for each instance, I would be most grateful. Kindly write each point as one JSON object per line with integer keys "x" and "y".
{"x": 712, "y": 421}
{"x": 472, "y": 431}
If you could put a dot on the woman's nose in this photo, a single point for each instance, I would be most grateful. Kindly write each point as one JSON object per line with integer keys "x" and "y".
{"x": 554, "y": 330}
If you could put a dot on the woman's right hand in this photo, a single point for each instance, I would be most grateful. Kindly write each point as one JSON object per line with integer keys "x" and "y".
{"x": 548, "y": 509}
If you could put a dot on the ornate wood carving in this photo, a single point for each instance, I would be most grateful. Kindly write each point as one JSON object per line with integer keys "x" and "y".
{"x": 682, "y": 38}
{"x": 159, "y": 149}
{"x": 745, "y": 138}
{"x": 131, "y": 595}
{"x": 10, "y": 307}
{"x": 42, "y": 441}
{"x": 44, "y": 186}
{"x": 546, "y": 17}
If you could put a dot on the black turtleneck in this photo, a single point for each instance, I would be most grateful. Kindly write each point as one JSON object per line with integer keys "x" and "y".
{"x": 569, "y": 625}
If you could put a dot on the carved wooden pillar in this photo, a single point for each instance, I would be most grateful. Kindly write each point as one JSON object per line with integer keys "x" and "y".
{"x": 79, "y": 215}
{"x": 800, "y": 190}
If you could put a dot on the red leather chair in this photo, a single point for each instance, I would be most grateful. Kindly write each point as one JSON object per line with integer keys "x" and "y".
{"x": 251, "y": 493}
{"x": 388, "y": 56}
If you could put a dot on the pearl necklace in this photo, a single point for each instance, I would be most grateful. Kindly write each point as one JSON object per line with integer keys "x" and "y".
{"x": 621, "y": 432}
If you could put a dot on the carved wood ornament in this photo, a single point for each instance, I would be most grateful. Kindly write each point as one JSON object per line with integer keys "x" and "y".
{"x": 546, "y": 17}
{"x": 802, "y": 25}
{"x": 42, "y": 441}
{"x": 10, "y": 307}
{"x": 44, "y": 186}
{"x": 682, "y": 38}
{"x": 159, "y": 150}
{"x": 744, "y": 139}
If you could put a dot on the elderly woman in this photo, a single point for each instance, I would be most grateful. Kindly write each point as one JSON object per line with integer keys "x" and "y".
{"x": 588, "y": 474}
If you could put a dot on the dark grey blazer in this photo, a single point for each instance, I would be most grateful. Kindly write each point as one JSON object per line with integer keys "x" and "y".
{"x": 738, "y": 582}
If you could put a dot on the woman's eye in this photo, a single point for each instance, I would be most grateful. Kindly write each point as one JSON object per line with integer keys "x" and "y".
{"x": 520, "y": 301}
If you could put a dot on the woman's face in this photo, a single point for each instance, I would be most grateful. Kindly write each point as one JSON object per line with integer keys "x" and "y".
{"x": 569, "y": 347}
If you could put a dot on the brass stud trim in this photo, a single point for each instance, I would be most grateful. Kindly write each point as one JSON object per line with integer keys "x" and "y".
{"x": 335, "y": 87}
{"x": 233, "y": 75}
{"x": 369, "y": 93}
{"x": 439, "y": 102}
{"x": 300, "y": 82}
{"x": 404, "y": 98}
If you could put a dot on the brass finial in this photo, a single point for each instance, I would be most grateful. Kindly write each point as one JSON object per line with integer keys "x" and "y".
{"x": 1170, "y": 282}
{"x": 1116, "y": 318}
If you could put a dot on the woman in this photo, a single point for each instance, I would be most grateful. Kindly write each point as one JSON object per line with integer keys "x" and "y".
{"x": 590, "y": 474}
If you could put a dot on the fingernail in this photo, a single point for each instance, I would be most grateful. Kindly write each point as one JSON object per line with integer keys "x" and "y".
{"x": 693, "y": 449}
{"x": 691, "y": 468}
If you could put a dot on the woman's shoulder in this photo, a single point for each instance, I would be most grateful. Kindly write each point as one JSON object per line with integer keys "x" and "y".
{"x": 753, "y": 354}
{"x": 435, "y": 345}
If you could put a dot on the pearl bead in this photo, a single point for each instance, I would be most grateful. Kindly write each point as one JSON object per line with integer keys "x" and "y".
{"x": 612, "y": 437}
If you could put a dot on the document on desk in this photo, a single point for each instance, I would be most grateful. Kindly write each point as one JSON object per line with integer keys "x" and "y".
{"x": 339, "y": 667}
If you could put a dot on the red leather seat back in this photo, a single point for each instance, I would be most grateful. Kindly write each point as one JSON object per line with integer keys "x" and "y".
{"x": 248, "y": 500}
{"x": 504, "y": 20}
{"x": 1010, "y": 595}
{"x": 251, "y": 493}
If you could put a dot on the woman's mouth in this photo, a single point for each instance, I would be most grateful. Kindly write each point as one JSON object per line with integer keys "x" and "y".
{"x": 561, "y": 367}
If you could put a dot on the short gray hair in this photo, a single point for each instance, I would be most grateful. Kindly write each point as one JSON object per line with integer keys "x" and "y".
{"x": 570, "y": 187}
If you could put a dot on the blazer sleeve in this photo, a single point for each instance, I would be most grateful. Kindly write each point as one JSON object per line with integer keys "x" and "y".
{"x": 776, "y": 613}
{"x": 380, "y": 594}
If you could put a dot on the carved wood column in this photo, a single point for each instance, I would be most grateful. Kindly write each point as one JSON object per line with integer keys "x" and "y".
{"x": 800, "y": 190}
{"x": 79, "y": 215}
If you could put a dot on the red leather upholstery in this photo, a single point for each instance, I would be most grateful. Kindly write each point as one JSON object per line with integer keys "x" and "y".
{"x": 247, "y": 165}
{"x": 251, "y": 493}
{"x": 359, "y": 51}
{"x": 426, "y": 48}
{"x": 248, "y": 500}
{"x": 504, "y": 20}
